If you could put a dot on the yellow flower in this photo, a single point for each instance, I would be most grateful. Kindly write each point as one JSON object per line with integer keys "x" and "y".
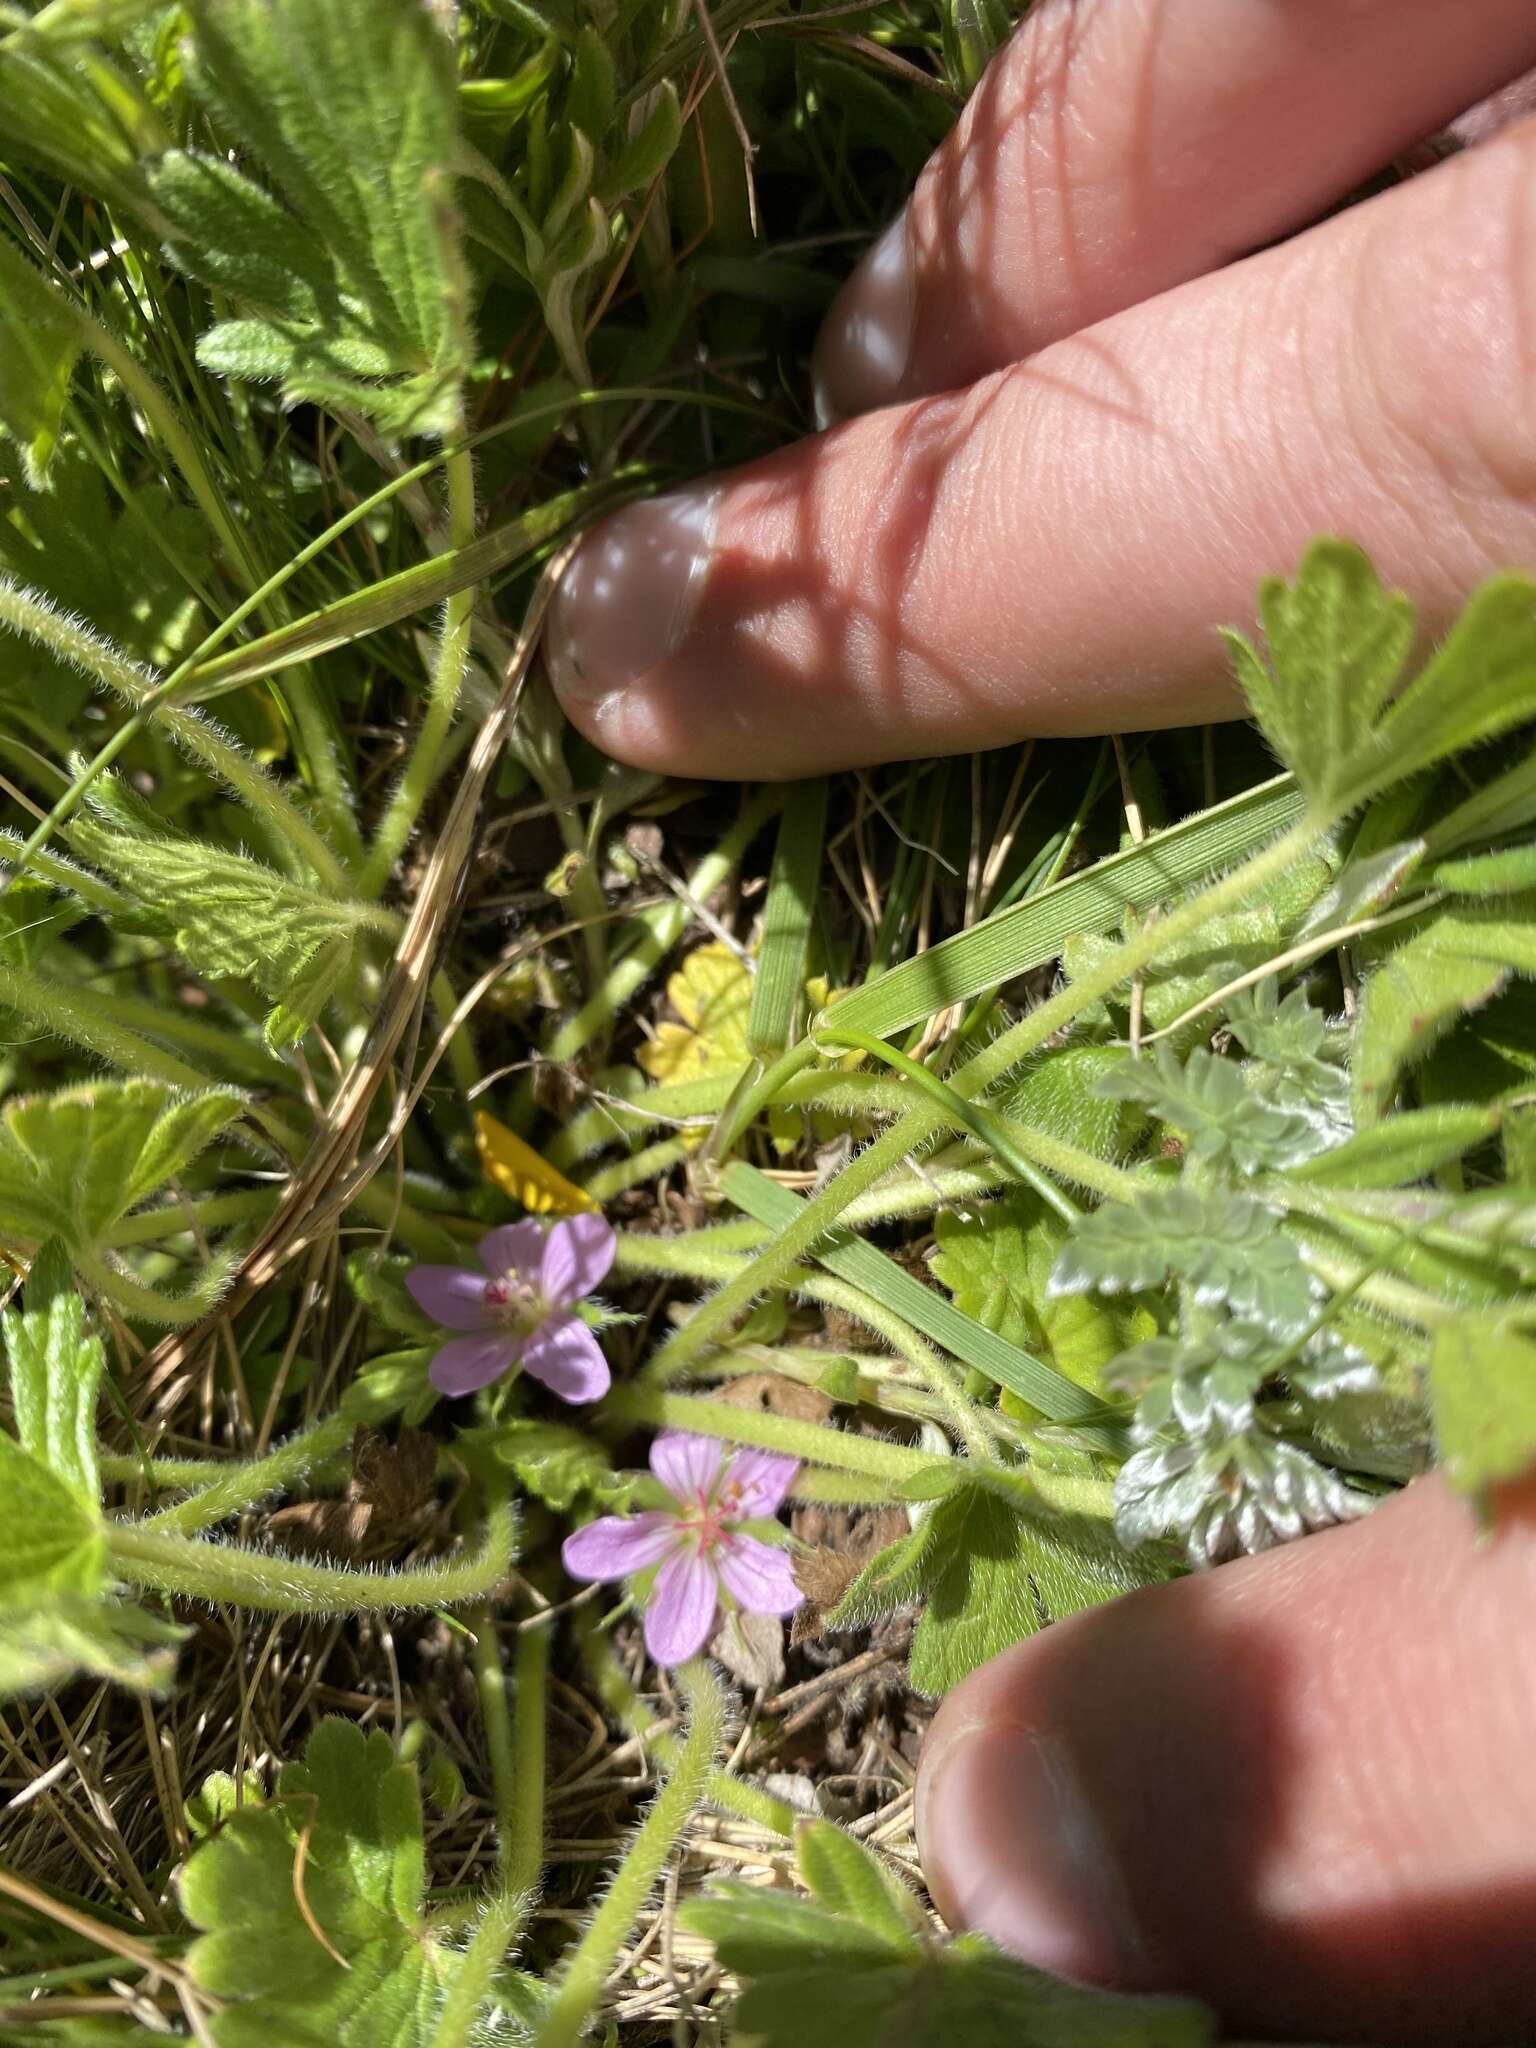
{"x": 519, "y": 1172}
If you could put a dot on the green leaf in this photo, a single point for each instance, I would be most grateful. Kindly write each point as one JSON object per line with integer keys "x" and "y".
{"x": 67, "y": 1636}
{"x": 72, "y": 1163}
{"x": 851, "y": 1880}
{"x": 1207, "y": 1099}
{"x": 1002, "y": 1575}
{"x": 988, "y": 1571}
{"x": 648, "y": 151}
{"x": 1457, "y": 961}
{"x": 40, "y": 341}
{"x": 997, "y": 1259}
{"x": 553, "y": 1462}
{"x": 1229, "y": 1248}
{"x": 1331, "y": 700}
{"x": 1489, "y": 874}
{"x": 352, "y": 272}
{"x": 778, "y": 986}
{"x": 50, "y": 1542}
{"x": 1337, "y": 647}
{"x": 818, "y": 1979}
{"x": 229, "y": 915}
{"x": 55, "y": 1370}
{"x": 1404, "y": 1148}
{"x": 333, "y": 1954}
{"x": 1482, "y": 1377}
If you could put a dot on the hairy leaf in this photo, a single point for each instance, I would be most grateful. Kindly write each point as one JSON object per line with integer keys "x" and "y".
{"x": 72, "y": 1163}
{"x": 1206, "y": 1098}
{"x": 823, "y": 1979}
{"x": 1482, "y": 1377}
{"x": 350, "y": 275}
{"x": 55, "y": 1367}
{"x": 50, "y": 1541}
{"x": 68, "y": 1636}
{"x": 1229, "y": 1248}
{"x": 329, "y": 1952}
{"x": 997, "y": 1261}
{"x": 1331, "y": 699}
{"x": 227, "y": 914}
{"x": 1456, "y": 962}
{"x": 849, "y": 1879}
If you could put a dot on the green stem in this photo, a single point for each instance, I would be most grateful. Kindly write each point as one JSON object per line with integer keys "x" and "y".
{"x": 399, "y": 820}
{"x": 241, "y": 1486}
{"x": 522, "y": 1842}
{"x": 35, "y": 618}
{"x": 869, "y": 1456}
{"x": 940, "y": 1380}
{"x": 985, "y": 1125}
{"x": 168, "y": 1475}
{"x": 918, "y": 1127}
{"x": 636, "y": 1170}
{"x": 287, "y": 1585}
{"x": 174, "y": 1219}
{"x": 82, "y": 1016}
{"x": 581, "y": 1983}
{"x": 461, "y": 2013}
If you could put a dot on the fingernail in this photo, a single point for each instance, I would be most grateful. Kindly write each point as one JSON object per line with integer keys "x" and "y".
{"x": 1012, "y": 1848}
{"x": 862, "y": 351}
{"x": 629, "y": 596}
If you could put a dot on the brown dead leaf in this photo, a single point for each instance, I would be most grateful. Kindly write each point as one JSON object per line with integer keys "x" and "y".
{"x": 771, "y": 1393}
{"x": 388, "y": 1500}
{"x": 751, "y": 1647}
{"x": 841, "y": 1542}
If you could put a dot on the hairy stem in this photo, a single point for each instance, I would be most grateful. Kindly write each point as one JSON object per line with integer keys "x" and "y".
{"x": 586, "y": 1971}
{"x": 869, "y": 1456}
{"x": 242, "y": 1485}
{"x": 286, "y": 1585}
{"x": 918, "y": 1127}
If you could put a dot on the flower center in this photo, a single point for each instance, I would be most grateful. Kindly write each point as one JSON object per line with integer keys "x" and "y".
{"x": 516, "y": 1305}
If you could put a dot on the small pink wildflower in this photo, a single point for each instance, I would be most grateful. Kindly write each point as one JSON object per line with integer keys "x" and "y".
{"x": 698, "y": 1544}
{"x": 521, "y": 1309}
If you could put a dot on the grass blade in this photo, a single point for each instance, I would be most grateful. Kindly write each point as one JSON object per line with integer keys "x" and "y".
{"x": 792, "y": 892}
{"x": 866, "y": 1266}
{"x": 1034, "y": 931}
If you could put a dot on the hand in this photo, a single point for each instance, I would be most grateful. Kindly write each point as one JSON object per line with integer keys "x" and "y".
{"x": 1133, "y": 426}
{"x": 1303, "y": 1786}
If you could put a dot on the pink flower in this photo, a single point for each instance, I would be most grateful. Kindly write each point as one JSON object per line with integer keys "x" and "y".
{"x": 697, "y": 1542}
{"x": 521, "y": 1308}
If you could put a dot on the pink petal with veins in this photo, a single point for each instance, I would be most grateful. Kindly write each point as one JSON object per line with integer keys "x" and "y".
{"x": 615, "y": 1545}
{"x": 513, "y": 1248}
{"x": 764, "y": 1480}
{"x": 757, "y": 1575}
{"x": 577, "y": 1254}
{"x": 687, "y": 1466}
{"x": 566, "y": 1356}
{"x": 450, "y": 1296}
{"x": 681, "y": 1617}
{"x": 469, "y": 1363}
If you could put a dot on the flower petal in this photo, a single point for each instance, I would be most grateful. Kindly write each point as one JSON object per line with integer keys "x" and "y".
{"x": 758, "y": 1576}
{"x": 566, "y": 1356}
{"x": 615, "y": 1545}
{"x": 687, "y": 1466}
{"x": 763, "y": 1479}
{"x": 516, "y": 1248}
{"x": 681, "y": 1617}
{"x": 577, "y": 1254}
{"x": 469, "y": 1363}
{"x": 450, "y": 1296}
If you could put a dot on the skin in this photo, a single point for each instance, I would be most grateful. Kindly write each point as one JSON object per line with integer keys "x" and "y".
{"x": 1103, "y": 378}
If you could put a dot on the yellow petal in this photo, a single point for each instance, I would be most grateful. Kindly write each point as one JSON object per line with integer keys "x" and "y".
{"x": 519, "y": 1172}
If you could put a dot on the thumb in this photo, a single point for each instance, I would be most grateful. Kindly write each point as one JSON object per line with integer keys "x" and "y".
{"x": 1303, "y": 1786}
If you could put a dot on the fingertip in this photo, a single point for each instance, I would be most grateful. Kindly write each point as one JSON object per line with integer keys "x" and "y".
{"x": 862, "y": 353}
